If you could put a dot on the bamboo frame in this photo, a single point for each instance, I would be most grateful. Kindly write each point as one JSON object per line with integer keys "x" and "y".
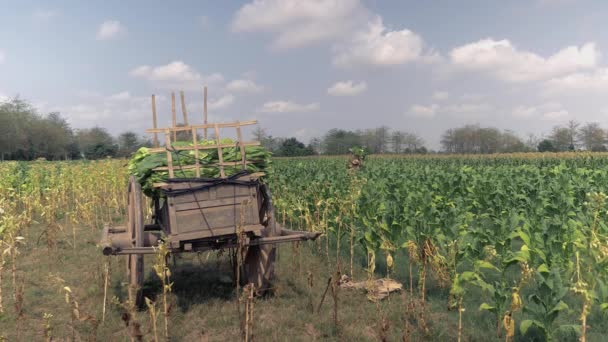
{"x": 171, "y": 136}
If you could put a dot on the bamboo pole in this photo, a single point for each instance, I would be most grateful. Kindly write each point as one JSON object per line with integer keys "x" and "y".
{"x": 154, "y": 123}
{"x": 205, "y": 115}
{"x": 184, "y": 112}
{"x": 173, "y": 115}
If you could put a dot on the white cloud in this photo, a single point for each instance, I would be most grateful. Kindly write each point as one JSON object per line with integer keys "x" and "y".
{"x": 441, "y": 95}
{"x": 347, "y": 88}
{"x": 430, "y": 111}
{"x": 221, "y": 102}
{"x": 92, "y": 108}
{"x": 545, "y": 111}
{"x": 43, "y": 15}
{"x": 125, "y": 95}
{"x": 379, "y": 46}
{"x": 174, "y": 71}
{"x": 110, "y": 29}
{"x": 555, "y": 115}
{"x": 246, "y": 86}
{"x": 422, "y": 111}
{"x": 176, "y": 74}
{"x": 467, "y": 108}
{"x": 594, "y": 81}
{"x": 298, "y": 23}
{"x": 505, "y": 62}
{"x": 288, "y": 107}
{"x": 204, "y": 21}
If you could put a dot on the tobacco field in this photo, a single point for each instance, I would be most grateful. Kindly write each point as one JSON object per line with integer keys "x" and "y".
{"x": 517, "y": 243}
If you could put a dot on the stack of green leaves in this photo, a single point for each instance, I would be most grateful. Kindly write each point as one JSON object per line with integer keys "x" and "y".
{"x": 143, "y": 163}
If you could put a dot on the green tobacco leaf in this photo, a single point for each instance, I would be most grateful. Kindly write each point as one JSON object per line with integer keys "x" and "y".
{"x": 559, "y": 307}
{"x": 486, "y": 265}
{"x": 486, "y": 306}
{"x": 543, "y": 268}
{"x": 526, "y": 324}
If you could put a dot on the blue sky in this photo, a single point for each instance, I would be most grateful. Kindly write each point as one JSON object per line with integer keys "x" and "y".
{"x": 302, "y": 67}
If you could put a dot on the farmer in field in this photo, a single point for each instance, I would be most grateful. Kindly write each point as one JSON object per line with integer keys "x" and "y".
{"x": 356, "y": 158}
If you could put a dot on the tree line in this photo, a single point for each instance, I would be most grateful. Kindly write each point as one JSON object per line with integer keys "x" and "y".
{"x": 26, "y": 134}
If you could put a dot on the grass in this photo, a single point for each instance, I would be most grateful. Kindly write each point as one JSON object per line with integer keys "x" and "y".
{"x": 203, "y": 301}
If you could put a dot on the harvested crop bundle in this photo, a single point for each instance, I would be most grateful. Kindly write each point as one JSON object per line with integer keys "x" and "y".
{"x": 143, "y": 163}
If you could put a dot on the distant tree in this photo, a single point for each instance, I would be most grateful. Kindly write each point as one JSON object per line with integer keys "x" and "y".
{"x": 96, "y": 143}
{"x": 129, "y": 142}
{"x": 413, "y": 142}
{"x": 592, "y": 137}
{"x": 315, "y": 145}
{"x": 562, "y": 138}
{"x": 476, "y": 139}
{"x": 397, "y": 140}
{"x": 546, "y": 145}
{"x": 16, "y": 116}
{"x": 293, "y": 148}
{"x": 259, "y": 134}
{"x": 510, "y": 142}
{"x": 338, "y": 141}
{"x": 573, "y": 134}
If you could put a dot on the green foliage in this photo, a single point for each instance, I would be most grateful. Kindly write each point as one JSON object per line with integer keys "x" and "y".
{"x": 143, "y": 163}
{"x": 512, "y": 226}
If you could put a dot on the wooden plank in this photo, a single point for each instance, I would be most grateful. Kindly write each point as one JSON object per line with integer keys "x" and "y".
{"x": 205, "y": 115}
{"x": 154, "y": 123}
{"x": 197, "y": 165}
{"x": 169, "y": 154}
{"x": 219, "y": 150}
{"x": 202, "y": 234}
{"x": 220, "y": 125}
{"x": 191, "y": 184}
{"x": 201, "y": 147}
{"x": 200, "y": 203}
{"x": 240, "y": 143}
{"x": 173, "y": 116}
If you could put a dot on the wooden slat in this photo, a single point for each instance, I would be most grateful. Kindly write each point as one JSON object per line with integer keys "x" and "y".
{"x": 173, "y": 116}
{"x": 201, "y": 147}
{"x": 255, "y": 175}
{"x": 196, "y": 150}
{"x": 188, "y": 128}
{"x": 154, "y": 123}
{"x": 219, "y": 150}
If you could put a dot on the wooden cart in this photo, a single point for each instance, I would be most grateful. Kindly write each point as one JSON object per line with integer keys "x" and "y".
{"x": 200, "y": 214}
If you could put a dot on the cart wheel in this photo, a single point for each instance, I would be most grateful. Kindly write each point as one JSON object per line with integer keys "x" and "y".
{"x": 135, "y": 227}
{"x": 259, "y": 261}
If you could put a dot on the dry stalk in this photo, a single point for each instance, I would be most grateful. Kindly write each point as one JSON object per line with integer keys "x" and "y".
{"x": 129, "y": 317}
{"x": 309, "y": 283}
{"x": 324, "y": 294}
{"x": 248, "y": 297}
{"x": 1, "y": 282}
{"x": 153, "y": 317}
{"x": 241, "y": 249}
{"x": 335, "y": 288}
{"x": 164, "y": 273}
{"x": 105, "y": 290}
{"x": 47, "y": 327}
